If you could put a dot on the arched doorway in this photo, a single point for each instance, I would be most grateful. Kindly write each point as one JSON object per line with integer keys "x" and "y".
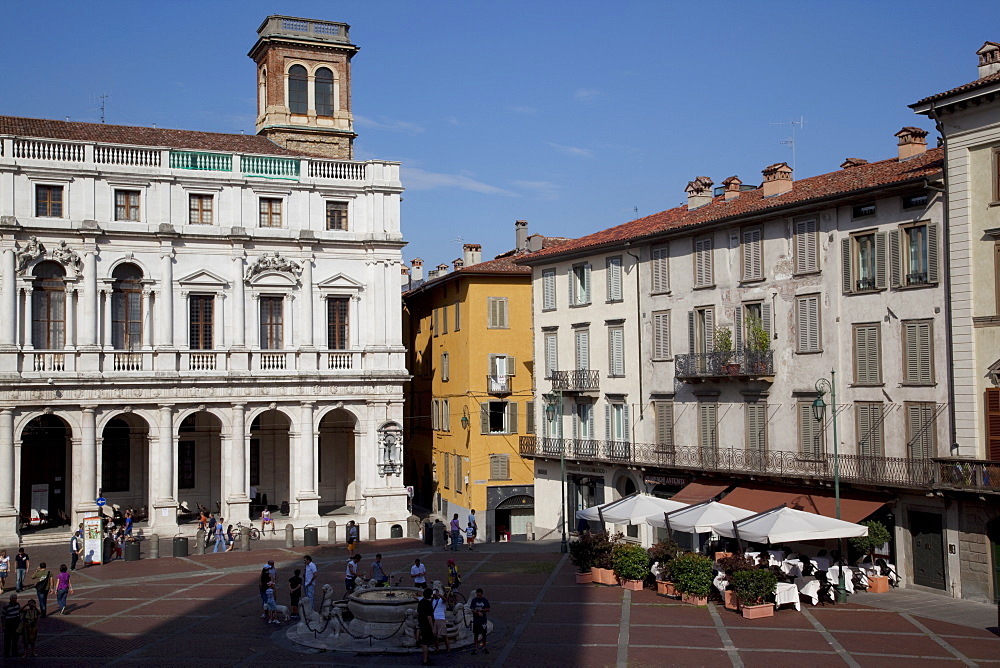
{"x": 513, "y": 515}
{"x": 625, "y": 487}
{"x": 336, "y": 461}
{"x": 270, "y": 459}
{"x": 199, "y": 461}
{"x": 45, "y": 471}
{"x": 125, "y": 463}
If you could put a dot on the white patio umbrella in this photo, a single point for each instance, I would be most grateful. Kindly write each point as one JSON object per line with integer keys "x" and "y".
{"x": 785, "y": 525}
{"x": 632, "y": 509}
{"x": 698, "y": 518}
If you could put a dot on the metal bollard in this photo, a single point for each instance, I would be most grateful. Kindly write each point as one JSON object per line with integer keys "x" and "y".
{"x": 331, "y": 533}
{"x": 372, "y": 528}
{"x": 289, "y": 535}
{"x": 199, "y": 542}
{"x": 245, "y": 540}
{"x": 154, "y": 546}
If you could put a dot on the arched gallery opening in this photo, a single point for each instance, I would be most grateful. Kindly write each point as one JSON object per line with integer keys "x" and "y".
{"x": 46, "y": 471}
{"x": 270, "y": 459}
{"x": 125, "y": 463}
{"x": 199, "y": 461}
{"x": 336, "y": 461}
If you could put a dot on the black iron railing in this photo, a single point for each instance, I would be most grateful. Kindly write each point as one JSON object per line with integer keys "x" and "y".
{"x": 747, "y": 364}
{"x": 577, "y": 380}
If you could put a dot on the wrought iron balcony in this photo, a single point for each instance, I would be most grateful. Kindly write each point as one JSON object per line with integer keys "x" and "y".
{"x": 498, "y": 384}
{"x": 739, "y": 366}
{"x": 889, "y": 471}
{"x": 577, "y": 380}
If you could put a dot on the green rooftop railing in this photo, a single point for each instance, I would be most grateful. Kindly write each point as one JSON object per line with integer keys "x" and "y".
{"x": 270, "y": 168}
{"x": 216, "y": 162}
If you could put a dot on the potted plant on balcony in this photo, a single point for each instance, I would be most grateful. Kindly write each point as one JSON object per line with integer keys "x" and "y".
{"x": 723, "y": 347}
{"x": 877, "y": 536}
{"x": 752, "y": 588}
{"x": 631, "y": 564}
{"x": 661, "y": 554}
{"x": 581, "y": 553}
{"x": 730, "y": 565}
{"x": 758, "y": 341}
{"x": 693, "y": 574}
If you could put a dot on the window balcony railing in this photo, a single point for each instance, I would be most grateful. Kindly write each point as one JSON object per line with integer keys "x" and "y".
{"x": 577, "y": 380}
{"x": 49, "y": 362}
{"x": 743, "y": 365}
{"x": 863, "y": 284}
{"x": 910, "y": 473}
{"x": 202, "y": 361}
{"x": 271, "y": 361}
{"x": 916, "y": 278}
{"x": 127, "y": 361}
{"x": 341, "y": 361}
{"x": 498, "y": 384}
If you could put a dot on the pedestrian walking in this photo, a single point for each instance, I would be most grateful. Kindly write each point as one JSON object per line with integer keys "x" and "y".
{"x": 475, "y": 525}
{"x": 425, "y": 620}
{"x": 480, "y": 606}
{"x": 75, "y": 549}
{"x": 377, "y": 572}
{"x": 4, "y": 570}
{"x": 10, "y": 615}
{"x": 439, "y": 607}
{"x": 295, "y": 592}
{"x": 454, "y": 579}
{"x": 63, "y": 588}
{"x": 220, "y": 536}
{"x": 470, "y": 535}
{"x": 456, "y": 533}
{"x": 419, "y": 574}
{"x": 351, "y": 574}
{"x": 310, "y": 579}
{"x": 352, "y": 536}
{"x": 230, "y": 539}
{"x": 29, "y": 626}
{"x": 43, "y": 582}
{"x": 128, "y": 523}
{"x": 20, "y": 567}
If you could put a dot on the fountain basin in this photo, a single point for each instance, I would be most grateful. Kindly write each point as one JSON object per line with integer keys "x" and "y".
{"x": 383, "y": 605}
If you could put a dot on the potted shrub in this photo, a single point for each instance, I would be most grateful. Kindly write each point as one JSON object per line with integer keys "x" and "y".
{"x": 730, "y": 565}
{"x": 753, "y": 587}
{"x": 877, "y": 536}
{"x": 631, "y": 564}
{"x": 581, "y": 553}
{"x": 693, "y": 575}
{"x": 662, "y": 554}
{"x": 603, "y": 568}
{"x": 723, "y": 346}
{"x": 758, "y": 341}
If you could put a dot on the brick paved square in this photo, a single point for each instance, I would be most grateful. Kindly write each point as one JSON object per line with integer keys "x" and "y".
{"x": 670, "y": 615}
{"x": 949, "y": 629}
{"x": 585, "y": 593}
{"x": 747, "y": 638}
{"x": 862, "y": 620}
{"x": 899, "y": 662}
{"x": 595, "y": 613}
{"x": 885, "y": 643}
{"x": 790, "y": 659}
{"x": 562, "y": 655}
{"x": 782, "y": 619}
{"x": 571, "y": 634}
{"x": 694, "y": 636}
{"x": 978, "y": 649}
{"x": 652, "y": 656}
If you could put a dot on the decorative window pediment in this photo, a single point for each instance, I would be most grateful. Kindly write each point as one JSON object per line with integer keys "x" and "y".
{"x": 268, "y": 268}
{"x": 203, "y": 280}
{"x": 340, "y": 283}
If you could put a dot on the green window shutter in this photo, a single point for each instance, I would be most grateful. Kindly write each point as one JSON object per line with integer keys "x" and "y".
{"x": 626, "y": 430}
{"x": 874, "y": 354}
{"x": 549, "y": 289}
{"x": 435, "y": 410}
{"x": 932, "y": 253}
{"x": 484, "y": 418}
{"x": 924, "y": 353}
{"x": 880, "y": 260}
{"x": 738, "y": 327}
{"x": 447, "y": 470}
{"x": 529, "y": 417}
{"x": 845, "y": 265}
{"x": 665, "y": 423}
{"x": 765, "y": 316}
{"x": 571, "y": 281}
{"x": 660, "y": 278}
{"x": 582, "y": 349}
{"x": 806, "y": 256}
{"x": 709, "y": 330}
{"x": 586, "y": 284}
{"x": 911, "y": 343}
{"x": 512, "y": 417}
{"x": 895, "y": 260}
{"x": 810, "y": 431}
{"x": 551, "y": 359}
{"x": 511, "y": 365}
{"x": 661, "y": 335}
{"x": 614, "y": 269}
{"x": 920, "y": 423}
{"x": 458, "y": 316}
{"x": 607, "y": 421}
{"x": 692, "y": 344}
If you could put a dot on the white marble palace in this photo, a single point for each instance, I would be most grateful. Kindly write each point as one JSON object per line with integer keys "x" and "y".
{"x": 188, "y": 316}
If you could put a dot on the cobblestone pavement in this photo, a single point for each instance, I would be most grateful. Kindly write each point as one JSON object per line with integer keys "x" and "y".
{"x": 172, "y": 611}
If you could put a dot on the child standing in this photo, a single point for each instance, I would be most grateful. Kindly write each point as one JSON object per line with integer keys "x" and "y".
{"x": 352, "y": 537}
{"x": 470, "y": 535}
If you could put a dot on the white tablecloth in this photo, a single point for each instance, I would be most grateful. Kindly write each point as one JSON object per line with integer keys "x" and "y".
{"x": 787, "y": 593}
{"x": 720, "y": 583}
{"x": 791, "y": 567}
{"x": 808, "y": 586}
{"x": 822, "y": 563}
{"x": 777, "y": 556}
{"x": 833, "y": 575}
{"x": 874, "y": 570}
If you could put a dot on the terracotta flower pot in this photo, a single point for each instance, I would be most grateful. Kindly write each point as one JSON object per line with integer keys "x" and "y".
{"x": 634, "y": 585}
{"x": 694, "y": 600}
{"x": 722, "y": 555}
{"x": 584, "y": 578}
{"x": 878, "y": 584}
{"x": 758, "y": 611}
{"x": 731, "y": 602}
{"x": 666, "y": 588}
{"x": 610, "y": 578}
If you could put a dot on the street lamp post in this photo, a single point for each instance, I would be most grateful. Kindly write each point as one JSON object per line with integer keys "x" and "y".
{"x": 553, "y": 407}
{"x": 819, "y": 410}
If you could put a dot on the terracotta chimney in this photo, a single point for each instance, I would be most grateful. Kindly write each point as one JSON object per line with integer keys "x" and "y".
{"x": 699, "y": 192}
{"x": 777, "y": 179}
{"x": 417, "y": 270}
{"x": 521, "y": 234}
{"x": 912, "y": 142}
{"x": 732, "y": 185}
{"x": 442, "y": 269}
{"x": 473, "y": 254}
{"x": 405, "y": 278}
{"x": 989, "y": 59}
{"x": 853, "y": 162}
{"x": 458, "y": 263}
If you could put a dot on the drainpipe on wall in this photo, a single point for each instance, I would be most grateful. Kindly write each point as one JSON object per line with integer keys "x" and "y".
{"x": 638, "y": 330}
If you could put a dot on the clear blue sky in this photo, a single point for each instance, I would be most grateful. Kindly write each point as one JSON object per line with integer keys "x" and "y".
{"x": 571, "y": 115}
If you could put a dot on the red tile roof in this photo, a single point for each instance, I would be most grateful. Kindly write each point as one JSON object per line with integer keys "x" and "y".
{"x": 972, "y": 85}
{"x": 752, "y": 202}
{"x": 139, "y": 136}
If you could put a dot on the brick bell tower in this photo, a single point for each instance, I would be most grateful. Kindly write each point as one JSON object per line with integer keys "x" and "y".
{"x": 304, "y": 85}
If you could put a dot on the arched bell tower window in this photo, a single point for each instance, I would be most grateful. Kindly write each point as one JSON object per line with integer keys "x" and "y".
{"x": 48, "y": 306}
{"x": 126, "y": 307}
{"x": 298, "y": 90}
{"x": 324, "y": 92}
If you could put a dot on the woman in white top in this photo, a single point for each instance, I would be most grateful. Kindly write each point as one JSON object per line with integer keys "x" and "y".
{"x": 265, "y": 519}
{"x": 4, "y": 569}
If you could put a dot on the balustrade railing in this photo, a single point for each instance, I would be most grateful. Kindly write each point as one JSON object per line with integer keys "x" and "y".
{"x": 721, "y": 365}
{"x": 126, "y": 155}
{"x": 128, "y": 362}
{"x": 270, "y": 167}
{"x": 31, "y": 149}
{"x": 202, "y": 362}
{"x": 49, "y": 362}
{"x": 341, "y": 361}
{"x": 272, "y": 361}
{"x": 213, "y": 162}
{"x": 576, "y": 380}
{"x": 330, "y": 169}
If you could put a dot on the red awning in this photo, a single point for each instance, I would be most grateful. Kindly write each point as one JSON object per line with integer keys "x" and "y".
{"x": 696, "y": 492}
{"x": 854, "y": 507}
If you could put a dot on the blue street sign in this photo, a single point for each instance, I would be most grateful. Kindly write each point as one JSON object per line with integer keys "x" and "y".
{"x": 101, "y": 501}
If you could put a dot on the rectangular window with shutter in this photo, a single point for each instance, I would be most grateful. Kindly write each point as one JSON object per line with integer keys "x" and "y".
{"x": 434, "y": 322}
{"x": 498, "y": 417}
{"x": 701, "y": 330}
{"x": 703, "y": 273}
{"x": 811, "y": 431}
{"x": 913, "y": 255}
{"x": 336, "y": 215}
{"x": 616, "y": 421}
{"x": 529, "y": 417}
{"x": 581, "y": 341}
{"x": 548, "y": 289}
{"x": 459, "y": 481}
{"x": 551, "y": 343}
{"x": 579, "y": 285}
{"x": 869, "y": 424}
{"x": 270, "y": 212}
{"x": 807, "y": 324}
{"x": 659, "y": 269}
{"x": 616, "y": 352}
{"x": 806, "y": 247}
{"x": 445, "y": 367}
{"x": 127, "y": 205}
{"x": 447, "y": 470}
{"x": 664, "y": 411}
{"x": 918, "y": 361}
{"x": 992, "y": 401}
{"x": 444, "y": 319}
{"x": 435, "y": 414}
{"x": 661, "y": 335}
{"x": 614, "y": 270}
{"x": 200, "y": 209}
{"x": 458, "y": 316}
{"x": 920, "y": 430}
{"x": 751, "y": 254}
{"x": 751, "y": 315}
{"x": 756, "y": 423}
{"x": 865, "y": 258}
{"x": 499, "y": 467}
{"x": 445, "y": 421}
{"x": 497, "y": 313}
{"x": 867, "y": 354}
{"x": 708, "y": 425}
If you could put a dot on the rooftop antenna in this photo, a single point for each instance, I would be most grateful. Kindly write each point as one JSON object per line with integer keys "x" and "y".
{"x": 103, "y": 97}
{"x": 790, "y": 142}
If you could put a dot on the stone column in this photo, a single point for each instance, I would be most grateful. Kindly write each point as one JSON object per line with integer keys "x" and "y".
{"x": 85, "y": 477}
{"x": 8, "y": 506}
{"x": 108, "y": 345}
{"x": 70, "y": 343}
{"x": 305, "y": 464}
{"x": 166, "y": 328}
{"x": 8, "y": 321}
{"x": 307, "y": 335}
{"x": 163, "y": 493}
{"x": 238, "y": 499}
{"x": 26, "y": 321}
{"x": 147, "y": 317}
{"x": 239, "y": 325}
{"x": 88, "y": 305}
{"x": 289, "y": 318}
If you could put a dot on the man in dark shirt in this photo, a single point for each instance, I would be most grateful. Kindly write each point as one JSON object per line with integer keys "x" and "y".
{"x": 11, "y": 616}
{"x": 480, "y": 606}
{"x": 425, "y": 618}
{"x": 21, "y": 566}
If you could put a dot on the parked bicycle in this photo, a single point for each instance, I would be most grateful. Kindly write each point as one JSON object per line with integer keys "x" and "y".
{"x": 238, "y": 530}
{"x": 453, "y": 597}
